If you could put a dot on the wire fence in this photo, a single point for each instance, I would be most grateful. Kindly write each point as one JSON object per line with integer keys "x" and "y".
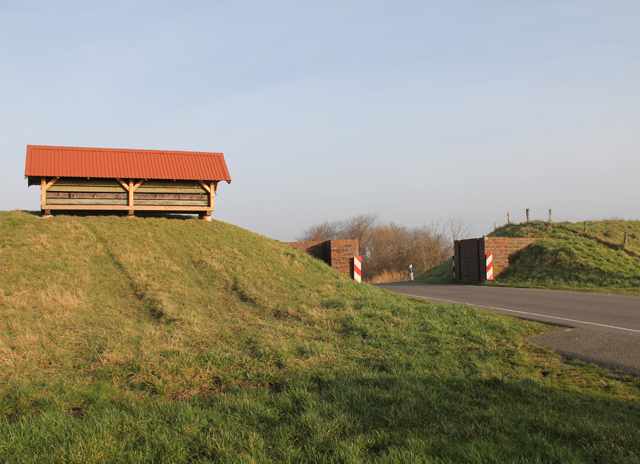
{"x": 534, "y": 214}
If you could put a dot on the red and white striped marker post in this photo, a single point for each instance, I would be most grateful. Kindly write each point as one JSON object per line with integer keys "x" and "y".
{"x": 453, "y": 263}
{"x": 490, "y": 266}
{"x": 357, "y": 269}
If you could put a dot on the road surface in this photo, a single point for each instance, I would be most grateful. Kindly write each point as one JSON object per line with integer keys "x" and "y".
{"x": 601, "y": 329}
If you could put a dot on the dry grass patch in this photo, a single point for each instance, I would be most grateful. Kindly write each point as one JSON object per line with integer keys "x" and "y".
{"x": 387, "y": 277}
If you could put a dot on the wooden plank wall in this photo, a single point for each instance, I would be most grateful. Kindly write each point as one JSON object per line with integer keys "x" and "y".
{"x": 73, "y": 191}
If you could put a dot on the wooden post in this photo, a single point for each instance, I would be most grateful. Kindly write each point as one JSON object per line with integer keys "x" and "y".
{"x": 495, "y": 226}
{"x": 527, "y": 214}
{"x": 624, "y": 243}
{"x": 550, "y": 221}
{"x": 131, "y": 188}
{"x": 44, "y": 186}
{"x": 211, "y": 190}
{"x": 131, "y": 212}
{"x": 43, "y": 193}
{"x": 508, "y": 218}
{"x": 585, "y": 227}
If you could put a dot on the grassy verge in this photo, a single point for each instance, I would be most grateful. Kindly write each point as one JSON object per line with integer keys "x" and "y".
{"x": 155, "y": 340}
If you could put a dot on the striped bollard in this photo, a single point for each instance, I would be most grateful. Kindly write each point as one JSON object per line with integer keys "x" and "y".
{"x": 490, "y": 266}
{"x": 357, "y": 269}
{"x": 453, "y": 262}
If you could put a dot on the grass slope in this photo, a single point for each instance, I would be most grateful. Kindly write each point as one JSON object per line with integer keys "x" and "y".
{"x": 156, "y": 340}
{"x": 569, "y": 258}
{"x": 440, "y": 274}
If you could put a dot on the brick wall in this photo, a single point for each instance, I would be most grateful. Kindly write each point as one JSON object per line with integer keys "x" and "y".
{"x": 341, "y": 253}
{"x": 470, "y": 256}
{"x": 504, "y": 249}
{"x": 315, "y": 249}
{"x": 336, "y": 253}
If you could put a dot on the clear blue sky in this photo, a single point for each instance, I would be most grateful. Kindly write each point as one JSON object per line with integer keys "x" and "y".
{"x": 416, "y": 110}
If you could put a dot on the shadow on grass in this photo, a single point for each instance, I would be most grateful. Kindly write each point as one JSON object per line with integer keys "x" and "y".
{"x": 363, "y": 415}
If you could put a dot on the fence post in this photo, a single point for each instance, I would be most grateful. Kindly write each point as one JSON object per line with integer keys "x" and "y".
{"x": 508, "y": 218}
{"x": 550, "y": 221}
{"x": 527, "y": 214}
{"x": 624, "y": 243}
{"x": 585, "y": 227}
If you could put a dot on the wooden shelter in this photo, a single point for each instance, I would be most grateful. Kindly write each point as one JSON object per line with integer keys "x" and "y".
{"x": 106, "y": 179}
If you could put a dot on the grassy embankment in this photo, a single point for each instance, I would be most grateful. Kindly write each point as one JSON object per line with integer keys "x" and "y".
{"x": 440, "y": 274}
{"x": 567, "y": 258}
{"x": 570, "y": 258}
{"x": 155, "y": 340}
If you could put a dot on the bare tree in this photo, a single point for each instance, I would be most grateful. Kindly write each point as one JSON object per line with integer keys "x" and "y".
{"x": 360, "y": 228}
{"x": 327, "y": 230}
{"x": 460, "y": 229}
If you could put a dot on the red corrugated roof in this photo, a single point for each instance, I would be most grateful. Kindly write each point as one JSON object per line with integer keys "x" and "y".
{"x": 44, "y": 161}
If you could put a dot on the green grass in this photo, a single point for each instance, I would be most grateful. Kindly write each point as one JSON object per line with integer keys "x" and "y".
{"x": 157, "y": 340}
{"x": 568, "y": 258}
{"x": 440, "y": 274}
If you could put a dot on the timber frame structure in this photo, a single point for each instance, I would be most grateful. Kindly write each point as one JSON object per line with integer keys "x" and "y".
{"x": 101, "y": 180}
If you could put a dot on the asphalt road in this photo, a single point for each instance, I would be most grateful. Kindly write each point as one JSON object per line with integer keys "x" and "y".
{"x": 599, "y": 328}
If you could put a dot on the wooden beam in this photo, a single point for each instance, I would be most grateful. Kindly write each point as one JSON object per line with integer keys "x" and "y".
{"x": 85, "y": 201}
{"x": 135, "y": 187}
{"x": 172, "y": 202}
{"x": 144, "y": 188}
{"x": 111, "y": 181}
{"x": 196, "y": 189}
{"x": 126, "y": 187}
{"x": 51, "y": 195}
{"x": 205, "y": 186}
{"x": 123, "y": 201}
{"x": 82, "y": 188}
{"x": 119, "y": 196}
{"x": 126, "y": 208}
{"x": 167, "y": 196}
{"x": 51, "y": 182}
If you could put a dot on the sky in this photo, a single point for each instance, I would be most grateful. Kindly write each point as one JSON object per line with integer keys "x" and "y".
{"x": 419, "y": 111}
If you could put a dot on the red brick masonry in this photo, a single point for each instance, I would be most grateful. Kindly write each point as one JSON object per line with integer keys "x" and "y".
{"x": 336, "y": 253}
{"x": 470, "y": 256}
